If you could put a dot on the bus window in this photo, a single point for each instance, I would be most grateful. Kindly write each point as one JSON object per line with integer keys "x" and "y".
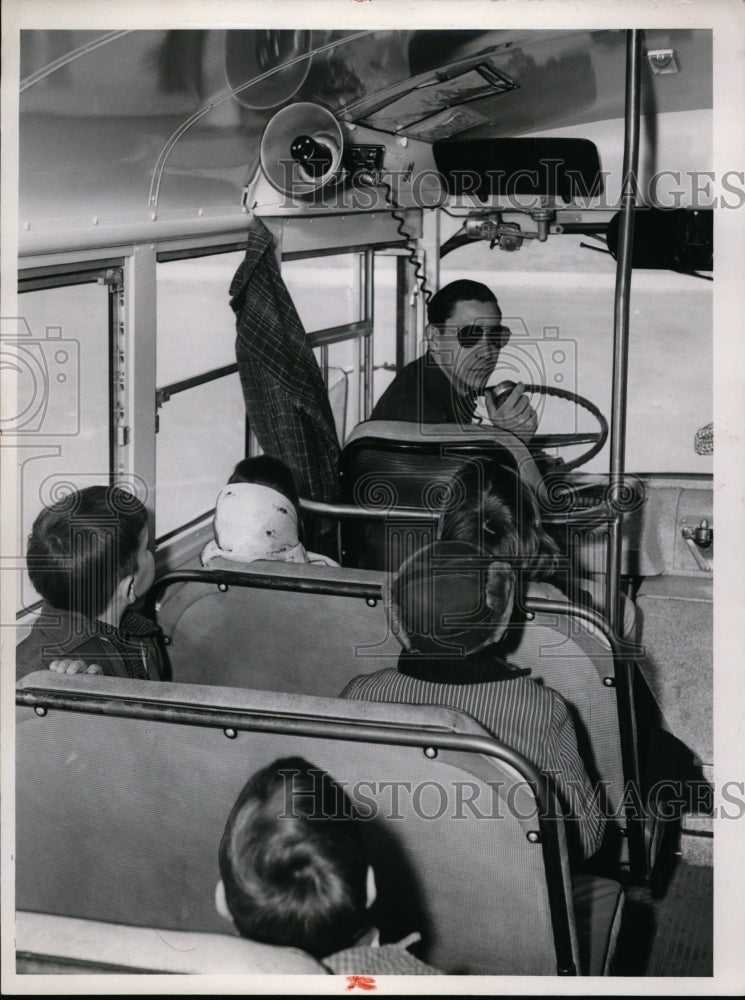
{"x": 386, "y": 308}
{"x": 327, "y": 292}
{"x": 63, "y": 397}
{"x": 201, "y": 417}
{"x": 196, "y": 326}
{"x": 201, "y": 436}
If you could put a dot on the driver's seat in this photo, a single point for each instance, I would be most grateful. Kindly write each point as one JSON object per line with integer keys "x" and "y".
{"x": 400, "y": 473}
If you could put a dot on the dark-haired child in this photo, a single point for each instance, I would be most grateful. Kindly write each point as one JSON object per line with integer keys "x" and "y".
{"x": 449, "y": 605}
{"x": 492, "y": 506}
{"x": 88, "y": 558}
{"x": 294, "y": 872}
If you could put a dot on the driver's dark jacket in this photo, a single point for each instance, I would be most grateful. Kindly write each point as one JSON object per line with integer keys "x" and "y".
{"x": 134, "y": 649}
{"x": 422, "y": 393}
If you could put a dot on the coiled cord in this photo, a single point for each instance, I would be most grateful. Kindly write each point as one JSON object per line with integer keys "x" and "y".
{"x": 413, "y": 257}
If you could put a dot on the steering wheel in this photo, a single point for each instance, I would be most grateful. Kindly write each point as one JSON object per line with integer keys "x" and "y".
{"x": 565, "y": 502}
{"x": 541, "y": 441}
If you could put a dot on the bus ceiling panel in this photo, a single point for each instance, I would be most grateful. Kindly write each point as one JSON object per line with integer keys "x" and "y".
{"x": 137, "y": 135}
{"x": 81, "y": 233}
{"x": 161, "y": 121}
{"x": 574, "y": 78}
{"x": 502, "y": 83}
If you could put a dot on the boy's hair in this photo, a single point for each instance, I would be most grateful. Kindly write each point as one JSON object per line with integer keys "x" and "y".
{"x": 443, "y": 302}
{"x": 292, "y": 860}
{"x": 490, "y": 505}
{"x": 82, "y": 546}
{"x": 264, "y": 470}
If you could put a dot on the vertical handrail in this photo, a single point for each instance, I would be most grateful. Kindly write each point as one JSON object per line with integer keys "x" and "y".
{"x": 621, "y": 320}
{"x": 625, "y": 668}
{"x": 368, "y": 312}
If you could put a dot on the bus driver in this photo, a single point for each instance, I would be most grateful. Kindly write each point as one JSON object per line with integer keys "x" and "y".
{"x": 464, "y": 338}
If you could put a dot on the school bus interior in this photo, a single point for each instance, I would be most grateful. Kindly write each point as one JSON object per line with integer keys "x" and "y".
{"x": 145, "y": 156}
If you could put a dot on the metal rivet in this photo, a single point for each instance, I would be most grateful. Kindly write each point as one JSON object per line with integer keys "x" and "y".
{"x": 95, "y": 220}
{"x": 166, "y": 640}
{"x": 153, "y": 216}
{"x": 534, "y": 837}
{"x": 27, "y": 226}
{"x": 222, "y": 587}
{"x": 529, "y": 616}
{"x": 40, "y": 710}
{"x": 200, "y": 212}
{"x": 609, "y": 682}
{"x": 230, "y": 733}
{"x": 372, "y": 602}
{"x": 430, "y": 753}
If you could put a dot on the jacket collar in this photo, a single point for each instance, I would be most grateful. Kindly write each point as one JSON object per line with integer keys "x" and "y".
{"x": 483, "y": 666}
{"x": 69, "y": 629}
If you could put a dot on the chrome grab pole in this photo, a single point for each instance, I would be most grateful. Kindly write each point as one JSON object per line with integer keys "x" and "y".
{"x": 369, "y": 313}
{"x": 621, "y": 322}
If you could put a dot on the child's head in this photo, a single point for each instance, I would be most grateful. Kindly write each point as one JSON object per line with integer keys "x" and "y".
{"x": 450, "y": 599}
{"x": 267, "y": 471}
{"x": 492, "y": 506}
{"x": 89, "y": 549}
{"x": 292, "y": 861}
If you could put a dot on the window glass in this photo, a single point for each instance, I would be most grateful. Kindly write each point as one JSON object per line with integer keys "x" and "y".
{"x": 196, "y": 326}
{"x": 324, "y": 289}
{"x": 61, "y": 426}
{"x": 343, "y": 384}
{"x": 557, "y": 298}
{"x": 384, "y": 340}
{"x": 202, "y": 429}
{"x": 201, "y": 437}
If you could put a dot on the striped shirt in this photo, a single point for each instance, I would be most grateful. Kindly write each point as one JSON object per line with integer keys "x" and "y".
{"x": 530, "y": 718}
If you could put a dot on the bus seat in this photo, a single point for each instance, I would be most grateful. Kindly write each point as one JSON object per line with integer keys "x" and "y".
{"x": 123, "y": 788}
{"x": 295, "y": 627}
{"x": 48, "y": 943}
{"x": 388, "y": 463}
{"x": 569, "y": 650}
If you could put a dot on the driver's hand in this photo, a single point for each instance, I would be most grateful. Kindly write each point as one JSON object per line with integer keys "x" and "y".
{"x": 508, "y": 408}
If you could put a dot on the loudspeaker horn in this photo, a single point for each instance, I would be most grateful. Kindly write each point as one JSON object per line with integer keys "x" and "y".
{"x": 301, "y": 150}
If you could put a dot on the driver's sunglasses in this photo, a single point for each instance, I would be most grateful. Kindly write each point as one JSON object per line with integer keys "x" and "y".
{"x": 474, "y": 333}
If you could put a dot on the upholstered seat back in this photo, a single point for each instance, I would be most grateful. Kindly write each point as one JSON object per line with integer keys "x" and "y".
{"x": 390, "y": 464}
{"x": 124, "y": 788}
{"x": 281, "y": 626}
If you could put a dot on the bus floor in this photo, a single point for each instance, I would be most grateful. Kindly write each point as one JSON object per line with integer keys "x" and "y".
{"x": 667, "y": 925}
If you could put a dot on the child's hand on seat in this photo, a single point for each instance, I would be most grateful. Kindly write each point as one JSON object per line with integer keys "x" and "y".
{"x": 67, "y": 666}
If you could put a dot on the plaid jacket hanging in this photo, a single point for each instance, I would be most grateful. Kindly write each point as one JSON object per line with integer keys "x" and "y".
{"x": 286, "y": 400}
